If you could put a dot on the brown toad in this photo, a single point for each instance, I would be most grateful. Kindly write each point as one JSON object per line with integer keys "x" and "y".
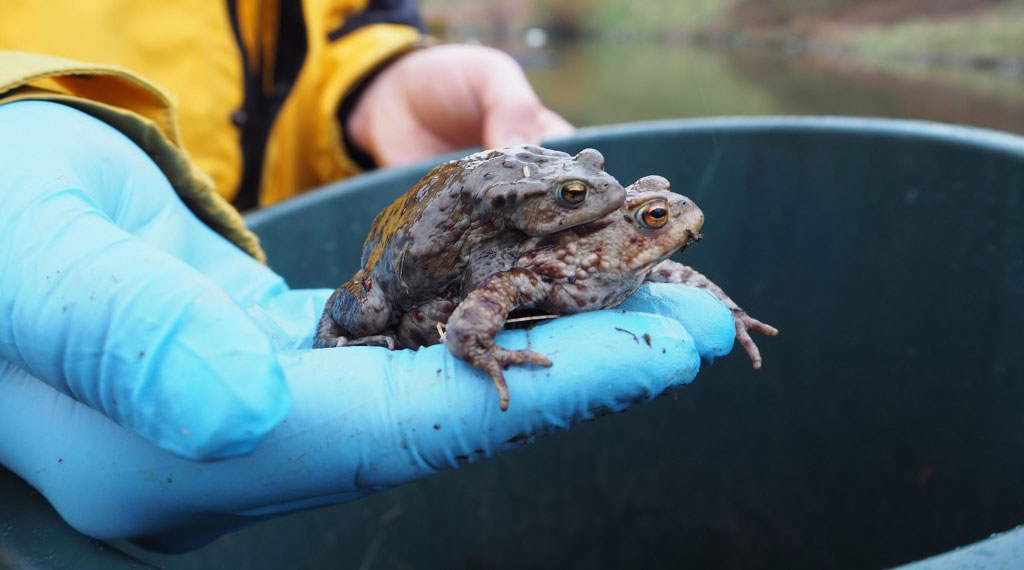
{"x": 593, "y": 266}
{"x": 462, "y": 222}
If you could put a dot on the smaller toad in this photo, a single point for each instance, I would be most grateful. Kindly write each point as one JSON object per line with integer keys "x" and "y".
{"x": 588, "y": 267}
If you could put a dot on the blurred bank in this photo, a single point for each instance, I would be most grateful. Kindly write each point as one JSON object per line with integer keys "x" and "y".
{"x": 956, "y": 61}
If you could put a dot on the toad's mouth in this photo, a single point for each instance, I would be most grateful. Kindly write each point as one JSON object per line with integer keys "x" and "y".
{"x": 692, "y": 237}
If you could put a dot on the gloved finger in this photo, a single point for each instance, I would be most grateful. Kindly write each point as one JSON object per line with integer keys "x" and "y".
{"x": 289, "y": 319}
{"x": 49, "y": 149}
{"x": 364, "y": 419}
{"x": 399, "y": 415}
{"x": 100, "y": 314}
{"x": 699, "y": 311}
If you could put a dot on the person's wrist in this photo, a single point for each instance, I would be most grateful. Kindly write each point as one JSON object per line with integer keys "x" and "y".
{"x": 353, "y": 127}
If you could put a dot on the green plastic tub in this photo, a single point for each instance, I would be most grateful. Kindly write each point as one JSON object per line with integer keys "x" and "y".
{"x": 886, "y": 426}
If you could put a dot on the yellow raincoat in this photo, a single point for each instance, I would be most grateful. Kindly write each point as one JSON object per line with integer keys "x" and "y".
{"x": 257, "y": 85}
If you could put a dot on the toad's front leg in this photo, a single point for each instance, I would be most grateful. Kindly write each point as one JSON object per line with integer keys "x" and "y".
{"x": 481, "y": 315}
{"x": 673, "y": 272}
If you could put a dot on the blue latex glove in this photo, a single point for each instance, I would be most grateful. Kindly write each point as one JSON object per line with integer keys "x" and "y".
{"x": 997, "y": 552}
{"x": 127, "y": 323}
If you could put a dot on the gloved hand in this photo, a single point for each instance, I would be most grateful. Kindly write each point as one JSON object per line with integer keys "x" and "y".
{"x": 133, "y": 339}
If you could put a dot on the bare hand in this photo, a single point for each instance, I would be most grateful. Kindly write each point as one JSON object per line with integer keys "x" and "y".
{"x": 446, "y": 98}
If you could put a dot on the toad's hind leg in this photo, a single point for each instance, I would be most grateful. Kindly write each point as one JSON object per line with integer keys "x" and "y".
{"x": 356, "y": 314}
{"x": 328, "y": 333}
{"x": 673, "y": 272}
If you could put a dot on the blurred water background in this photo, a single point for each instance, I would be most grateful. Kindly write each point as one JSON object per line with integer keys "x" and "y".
{"x": 611, "y": 61}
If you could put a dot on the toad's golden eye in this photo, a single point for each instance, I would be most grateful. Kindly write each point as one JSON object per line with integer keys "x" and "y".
{"x": 573, "y": 193}
{"x": 653, "y": 215}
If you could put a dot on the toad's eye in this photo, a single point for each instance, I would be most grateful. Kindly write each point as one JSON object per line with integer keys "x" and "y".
{"x": 653, "y": 215}
{"x": 573, "y": 193}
